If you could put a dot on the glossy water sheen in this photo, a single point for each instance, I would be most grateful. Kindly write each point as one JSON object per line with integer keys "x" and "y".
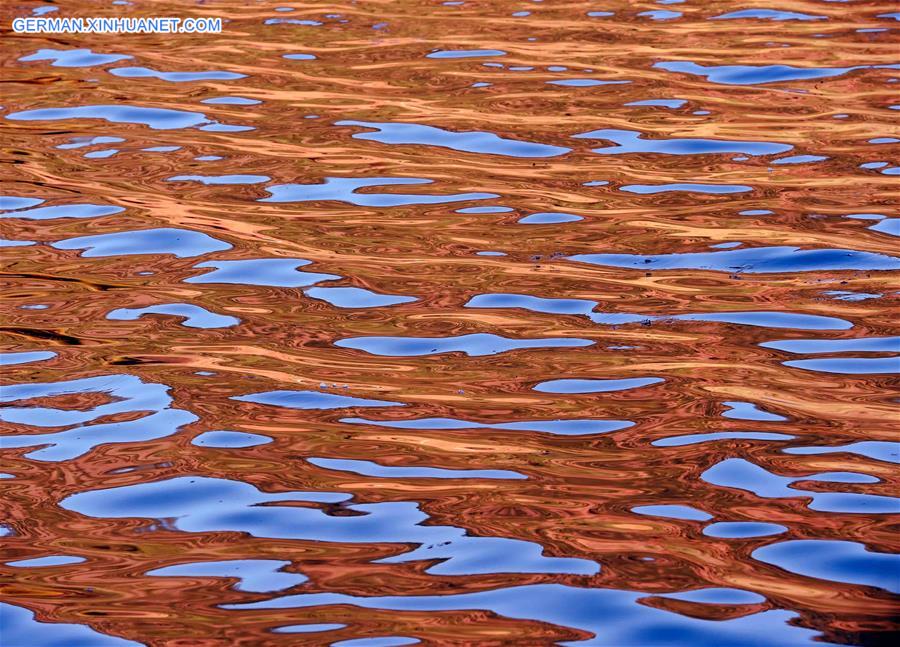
{"x": 452, "y": 323}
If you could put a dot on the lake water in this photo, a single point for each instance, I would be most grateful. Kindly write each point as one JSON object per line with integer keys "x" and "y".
{"x": 465, "y": 323}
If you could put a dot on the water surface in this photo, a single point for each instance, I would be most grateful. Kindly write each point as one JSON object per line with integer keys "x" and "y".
{"x": 482, "y": 323}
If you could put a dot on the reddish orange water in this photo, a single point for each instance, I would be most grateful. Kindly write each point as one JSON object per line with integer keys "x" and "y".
{"x": 573, "y": 495}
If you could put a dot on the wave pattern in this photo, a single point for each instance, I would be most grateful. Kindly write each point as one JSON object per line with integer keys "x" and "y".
{"x": 376, "y": 323}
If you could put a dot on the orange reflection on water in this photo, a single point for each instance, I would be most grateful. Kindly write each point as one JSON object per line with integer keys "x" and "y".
{"x": 578, "y": 488}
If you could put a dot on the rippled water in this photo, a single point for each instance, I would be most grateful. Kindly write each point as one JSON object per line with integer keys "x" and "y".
{"x": 463, "y": 323}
